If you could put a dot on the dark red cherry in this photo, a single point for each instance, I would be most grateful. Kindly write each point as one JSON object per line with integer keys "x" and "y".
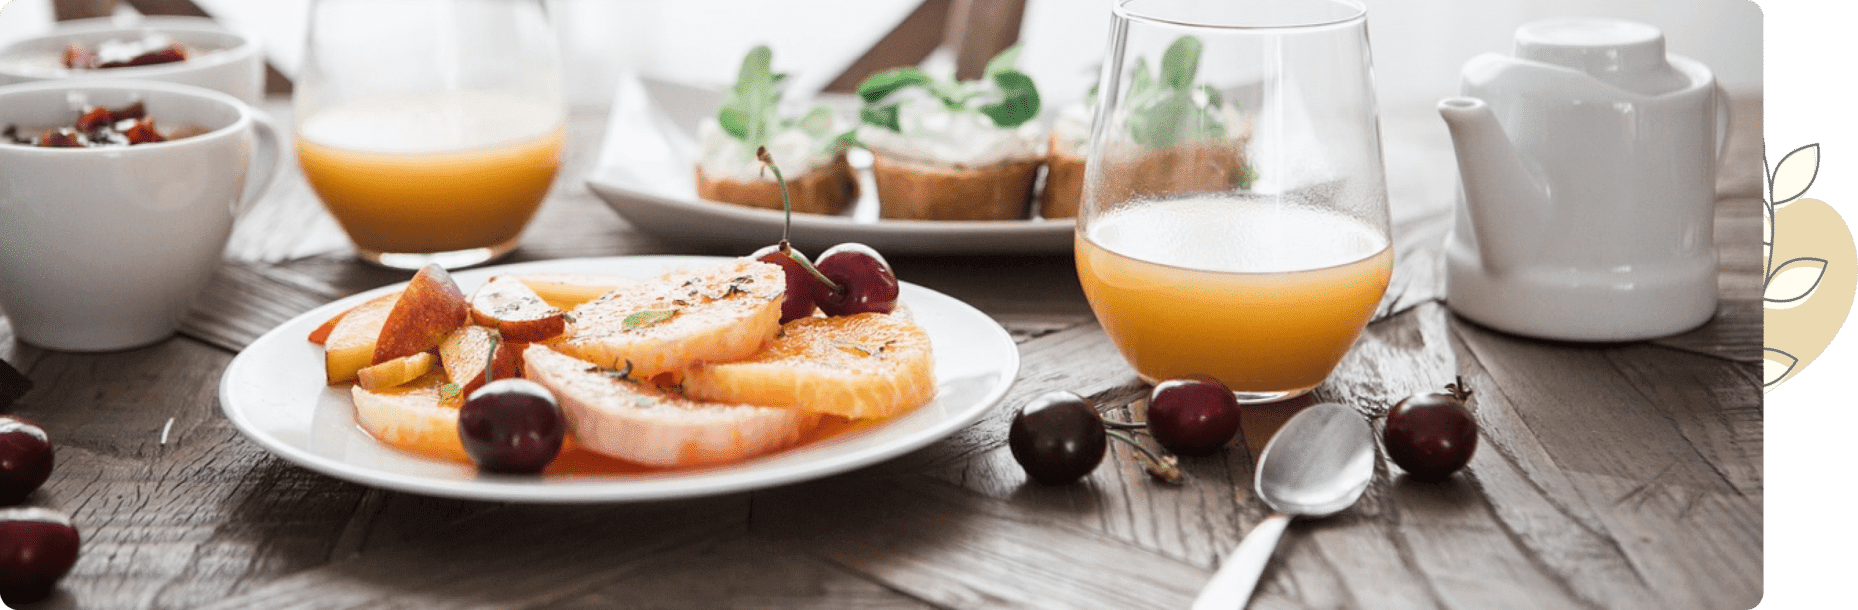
{"x": 1192, "y": 415}
{"x": 1057, "y": 438}
{"x": 803, "y": 288}
{"x": 37, "y": 547}
{"x": 1431, "y": 436}
{"x": 512, "y": 425}
{"x": 866, "y": 282}
{"x": 25, "y": 458}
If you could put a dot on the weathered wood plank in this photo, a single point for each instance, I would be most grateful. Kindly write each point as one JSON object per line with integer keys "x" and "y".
{"x": 740, "y": 572}
{"x": 1629, "y": 473}
{"x": 243, "y": 302}
{"x": 180, "y": 523}
{"x": 504, "y": 556}
{"x": 955, "y": 548}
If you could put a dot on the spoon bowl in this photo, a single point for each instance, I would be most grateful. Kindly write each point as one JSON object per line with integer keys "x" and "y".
{"x": 1316, "y": 465}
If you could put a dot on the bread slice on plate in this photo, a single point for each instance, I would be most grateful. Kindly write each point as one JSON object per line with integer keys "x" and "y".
{"x": 1064, "y": 180}
{"x": 869, "y": 365}
{"x": 1207, "y": 166}
{"x": 623, "y": 418}
{"x": 824, "y": 190}
{"x": 912, "y": 189}
{"x": 721, "y": 312}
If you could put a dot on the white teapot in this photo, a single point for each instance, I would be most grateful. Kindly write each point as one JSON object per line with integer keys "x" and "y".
{"x": 1588, "y": 163}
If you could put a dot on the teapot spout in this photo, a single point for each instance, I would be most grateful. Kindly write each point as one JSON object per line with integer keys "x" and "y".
{"x": 1504, "y": 200}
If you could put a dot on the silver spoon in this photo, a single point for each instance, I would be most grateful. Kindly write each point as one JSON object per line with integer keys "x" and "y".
{"x": 1315, "y": 466}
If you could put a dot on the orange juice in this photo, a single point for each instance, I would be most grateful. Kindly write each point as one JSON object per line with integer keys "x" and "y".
{"x": 432, "y": 174}
{"x": 1265, "y": 298}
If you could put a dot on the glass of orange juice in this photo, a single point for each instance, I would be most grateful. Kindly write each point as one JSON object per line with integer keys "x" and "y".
{"x": 1234, "y": 216}
{"x": 430, "y": 129}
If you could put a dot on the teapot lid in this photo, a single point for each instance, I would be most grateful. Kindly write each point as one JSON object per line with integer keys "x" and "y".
{"x": 1626, "y": 54}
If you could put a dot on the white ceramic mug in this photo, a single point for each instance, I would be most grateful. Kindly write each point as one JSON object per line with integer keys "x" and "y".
{"x": 106, "y": 248}
{"x": 226, "y": 60}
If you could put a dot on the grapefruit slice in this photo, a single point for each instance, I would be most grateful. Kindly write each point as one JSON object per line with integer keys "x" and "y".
{"x": 639, "y": 423}
{"x": 860, "y": 366}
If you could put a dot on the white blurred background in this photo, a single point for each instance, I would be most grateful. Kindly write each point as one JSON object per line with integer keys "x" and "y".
{"x": 1418, "y": 44}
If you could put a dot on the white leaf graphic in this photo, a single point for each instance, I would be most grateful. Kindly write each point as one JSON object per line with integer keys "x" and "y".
{"x": 1767, "y": 239}
{"x": 1795, "y": 172}
{"x": 1775, "y": 365}
{"x": 1793, "y": 282}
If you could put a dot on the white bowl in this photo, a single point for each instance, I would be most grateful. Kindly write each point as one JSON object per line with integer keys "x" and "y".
{"x": 225, "y": 60}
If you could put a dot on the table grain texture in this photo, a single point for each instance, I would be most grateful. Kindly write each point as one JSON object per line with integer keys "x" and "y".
{"x": 1607, "y": 476}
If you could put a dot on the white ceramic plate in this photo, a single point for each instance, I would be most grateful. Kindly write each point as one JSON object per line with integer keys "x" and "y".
{"x": 646, "y": 173}
{"x": 274, "y": 393}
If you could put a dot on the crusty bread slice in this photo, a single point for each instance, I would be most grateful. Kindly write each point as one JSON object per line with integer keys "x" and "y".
{"x": 1064, "y": 180}
{"x": 860, "y": 366}
{"x": 638, "y": 423}
{"x": 825, "y": 190}
{"x": 721, "y": 312}
{"x": 1210, "y": 166}
{"x": 910, "y": 189}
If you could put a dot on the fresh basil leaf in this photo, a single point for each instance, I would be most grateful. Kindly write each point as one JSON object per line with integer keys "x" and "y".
{"x": 1142, "y": 82}
{"x": 1006, "y": 60}
{"x": 817, "y": 121}
{"x": 1173, "y": 119}
{"x": 954, "y": 96}
{"x": 748, "y": 113}
{"x": 1180, "y": 62}
{"x": 1019, "y": 100}
{"x": 757, "y": 67}
{"x": 882, "y": 84}
{"x": 843, "y": 141}
{"x": 881, "y": 116}
{"x": 646, "y": 318}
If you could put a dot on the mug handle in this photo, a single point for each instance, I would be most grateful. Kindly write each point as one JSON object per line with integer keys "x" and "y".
{"x": 264, "y": 160}
{"x": 1722, "y": 123}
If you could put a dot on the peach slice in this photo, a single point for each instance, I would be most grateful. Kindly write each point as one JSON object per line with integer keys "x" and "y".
{"x": 430, "y": 308}
{"x": 515, "y": 310}
{"x": 394, "y": 372}
{"x": 321, "y": 334}
{"x": 352, "y": 340}
{"x": 466, "y": 353}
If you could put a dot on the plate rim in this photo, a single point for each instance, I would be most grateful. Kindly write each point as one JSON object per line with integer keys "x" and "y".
{"x": 674, "y": 485}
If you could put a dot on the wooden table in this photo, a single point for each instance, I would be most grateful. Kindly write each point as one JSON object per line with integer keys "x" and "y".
{"x": 1608, "y": 476}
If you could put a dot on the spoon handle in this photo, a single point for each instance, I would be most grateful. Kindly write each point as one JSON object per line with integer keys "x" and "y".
{"x": 1231, "y": 587}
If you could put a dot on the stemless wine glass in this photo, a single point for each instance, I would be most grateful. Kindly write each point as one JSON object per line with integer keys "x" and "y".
{"x": 430, "y": 129}
{"x": 1234, "y": 213}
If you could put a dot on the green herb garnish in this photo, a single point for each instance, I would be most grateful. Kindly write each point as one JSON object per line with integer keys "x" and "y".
{"x": 449, "y": 391}
{"x": 1018, "y": 97}
{"x": 750, "y": 112}
{"x": 1163, "y": 109}
{"x": 647, "y": 318}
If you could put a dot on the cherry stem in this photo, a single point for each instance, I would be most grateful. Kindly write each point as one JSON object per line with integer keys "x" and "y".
{"x": 787, "y": 206}
{"x": 1120, "y": 424}
{"x": 1459, "y": 390}
{"x": 1163, "y": 467}
{"x": 787, "y": 221}
{"x": 808, "y": 266}
{"x": 490, "y": 360}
